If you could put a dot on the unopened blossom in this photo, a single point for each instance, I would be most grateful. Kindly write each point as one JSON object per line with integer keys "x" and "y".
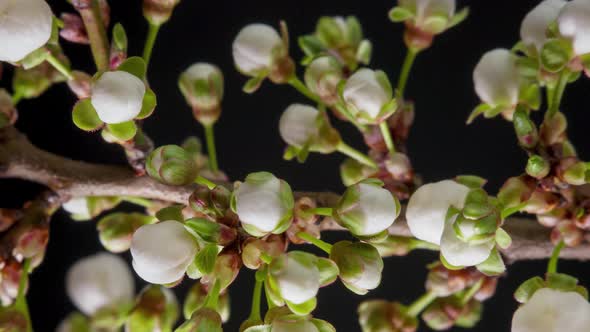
{"x": 79, "y": 207}
{"x": 428, "y": 206}
{"x": 25, "y": 26}
{"x": 551, "y": 310}
{"x": 296, "y": 276}
{"x": 322, "y": 77}
{"x": 366, "y": 94}
{"x": 162, "y": 252}
{"x": 298, "y": 125}
{"x": 533, "y": 31}
{"x": 99, "y": 280}
{"x": 574, "y": 24}
{"x": 255, "y": 47}
{"x": 459, "y": 252}
{"x": 117, "y": 97}
{"x": 264, "y": 204}
{"x": 496, "y": 78}
{"x": 429, "y": 14}
{"x": 202, "y": 87}
{"x": 367, "y": 209}
{"x": 360, "y": 265}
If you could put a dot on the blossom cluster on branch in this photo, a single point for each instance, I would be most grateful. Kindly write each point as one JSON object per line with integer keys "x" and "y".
{"x": 210, "y": 228}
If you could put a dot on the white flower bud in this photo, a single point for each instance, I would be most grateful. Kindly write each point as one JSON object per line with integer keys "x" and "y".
{"x": 427, "y": 12}
{"x": 298, "y": 125}
{"x": 574, "y": 23}
{"x": 254, "y": 48}
{"x": 322, "y": 77}
{"x": 366, "y": 95}
{"x": 162, "y": 252}
{"x": 366, "y": 209}
{"x": 79, "y": 207}
{"x": 461, "y": 253}
{"x": 360, "y": 265}
{"x": 264, "y": 204}
{"x": 117, "y": 97}
{"x": 496, "y": 78}
{"x": 550, "y": 310}
{"x": 533, "y": 30}
{"x": 297, "y": 276}
{"x": 25, "y": 26}
{"x": 99, "y": 280}
{"x": 428, "y": 208}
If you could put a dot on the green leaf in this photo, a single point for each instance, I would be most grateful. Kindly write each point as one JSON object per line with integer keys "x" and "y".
{"x": 493, "y": 266}
{"x": 205, "y": 259}
{"x": 400, "y": 14}
{"x": 123, "y": 131}
{"x": 503, "y": 239}
{"x": 120, "y": 37}
{"x": 206, "y": 229}
{"x": 480, "y": 109}
{"x": 173, "y": 212}
{"x": 555, "y": 55}
{"x": 149, "y": 104}
{"x": 525, "y": 291}
{"x": 85, "y": 117}
{"x": 135, "y": 66}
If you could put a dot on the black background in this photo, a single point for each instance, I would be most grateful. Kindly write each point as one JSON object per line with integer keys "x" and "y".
{"x": 441, "y": 146}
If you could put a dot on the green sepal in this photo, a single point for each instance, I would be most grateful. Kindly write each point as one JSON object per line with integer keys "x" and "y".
{"x": 479, "y": 110}
{"x": 253, "y": 84}
{"x": 561, "y": 282}
{"x": 304, "y": 308}
{"x": 328, "y": 271}
{"x": 149, "y": 104}
{"x": 364, "y": 52}
{"x": 322, "y": 325}
{"x": 35, "y": 58}
{"x": 120, "y": 37}
{"x": 400, "y": 14}
{"x": 436, "y": 22}
{"x": 85, "y": 117}
{"x": 493, "y": 266}
{"x": 503, "y": 239}
{"x": 272, "y": 293}
{"x": 123, "y": 131}
{"x": 205, "y": 259}
{"x": 259, "y": 328}
{"x": 135, "y": 66}
{"x": 449, "y": 265}
{"x": 459, "y": 17}
{"x": 525, "y": 291}
{"x": 531, "y": 96}
{"x": 206, "y": 229}
{"x": 173, "y": 212}
{"x": 471, "y": 181}
{"x": 555, "y": 55}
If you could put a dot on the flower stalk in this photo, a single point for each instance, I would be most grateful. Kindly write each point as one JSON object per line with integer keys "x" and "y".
{"x": 421, "y": 303}
{"x": 406, "y": 68}
{"x": 325, "y": 246}
{"x": 60, "y": 66}
{"x": 99, "y": 42}
{"x": 355, "y": 154}
{"x": 210, "y": 138}
{"x": 552, "y": 266}
{"x": 150, "y": 41}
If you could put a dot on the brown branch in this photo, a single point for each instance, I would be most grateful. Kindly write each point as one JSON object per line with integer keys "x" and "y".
{"x": 69, "y": 178}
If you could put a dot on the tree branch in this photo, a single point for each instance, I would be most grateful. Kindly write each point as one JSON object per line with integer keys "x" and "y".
{"x": 69, "y": 178}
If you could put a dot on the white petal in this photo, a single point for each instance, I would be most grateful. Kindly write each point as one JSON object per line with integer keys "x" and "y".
{"x": 77, "y": 206}
{"x": 428, "y": 208}
{"x": 496, "y": 78}
{"x": 533, "y": 30}
{"x": 298, "y": 124}
{"x": 201, "y": 70}
{"x": 259, "y": 204}
{"x": 298, "y": 282}
{"x": 99, "y": 280}
{"x": 364, "y": 92}
{"x": 425, "y": 8}
{"x": 25, "y": 26}
{"x": 253, "y": 47}
{"x": 378, "y": 208}
{"x": 118, "y": 97}
{"x": 574, "y": 23}
{"x": 370, "y": 278}
{"x": 550, "y": 310}
{"x": 162, "y": 252}
{"x": 460, "y": 253}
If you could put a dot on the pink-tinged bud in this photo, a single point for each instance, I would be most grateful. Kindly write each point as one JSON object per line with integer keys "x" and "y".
{"x": 158, "y": 12}
{"x": 74, "y": 30}
{"x": 552, "y": 218}
{"x": 212, "y": 202}
{"x": 445, "y": 282}
{"x": 81, "y": 84}
{"x": 583, "y": 222}
{"x": 32, "y": 241}
{"x": 379, "y": 315}
{"x": 541, "y": 202}
{"x": 105, "y": 9}
{"x": 567, "y": 231}
{"x": 399, "y": 167}
{"x": 516, "y": 190}
{"x": 553, "y": 130}
{"x": 227, "y": 267}
{"x": 487, "y": 290}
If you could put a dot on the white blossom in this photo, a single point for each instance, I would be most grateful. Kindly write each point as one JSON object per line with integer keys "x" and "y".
{"x": 78, "y": 206}
{"x": 533, "y": 30}
{"x": 550, "y": 310}
{"x": 298, "y": 124}
{"x": 254, "y": 47}
{"x": 460, "y": 253}
{"x": 574, "y": 23}
{"x": 117, "y": 97}
{"x": 428, "y": 206}
{"x": 261, "y": 204}
{"x": 496, "y": 78}
{"x": 297, "y": 277}
{"x": 162, "y": 252}
{"x": 99, "y": 280}
{"x": 25, "y": 26}
{"x": 365, "y": 94}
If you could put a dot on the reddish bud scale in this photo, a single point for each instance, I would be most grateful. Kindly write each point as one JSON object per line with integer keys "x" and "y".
{"x": 74, "y": 30}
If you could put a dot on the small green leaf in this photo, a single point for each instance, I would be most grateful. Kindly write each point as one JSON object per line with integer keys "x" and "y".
{"x": 123, "y": 131}
{"x": 364, "y": 52}
{"x": 85, "y": 117}
{"x": 206, "y": 229}
{"x": 120, "y": 37}
{"x": 135, "y": 66}
{"x": 149, "y": 104}
{"x": 253, "y": 84}
{"x": 205, "y": 259}
{"x": 400, "y": 14}
{"x": 528, "y": 288}
{"x": 173, "y": 212}
{"x": 503, "y": 239}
